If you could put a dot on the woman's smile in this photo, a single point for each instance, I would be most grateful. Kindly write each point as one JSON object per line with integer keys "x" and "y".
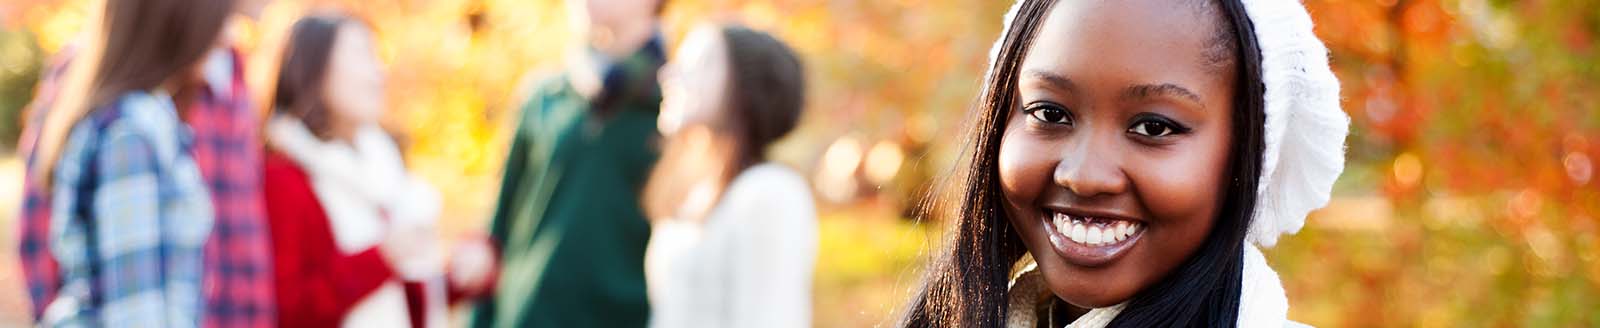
{"x": 1088, "y": 240}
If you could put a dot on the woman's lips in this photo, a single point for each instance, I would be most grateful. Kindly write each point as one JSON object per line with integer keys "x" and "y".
{"x": 1090, "y": 241}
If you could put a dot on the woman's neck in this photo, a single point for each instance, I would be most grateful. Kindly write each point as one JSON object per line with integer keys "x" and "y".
{"x": 345, "y": 137}
{"x": 1065, "y": 312}
{"x": 340, "y": 131}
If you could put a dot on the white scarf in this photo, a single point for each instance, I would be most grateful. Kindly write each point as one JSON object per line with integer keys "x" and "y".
{"x": 363, "y": 187}
{"x": 1262, "y": 302}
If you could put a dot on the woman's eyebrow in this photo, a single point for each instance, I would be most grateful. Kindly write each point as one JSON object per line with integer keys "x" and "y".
{"x": 1148, "y": 91}
{"x": 1055, "y": 80}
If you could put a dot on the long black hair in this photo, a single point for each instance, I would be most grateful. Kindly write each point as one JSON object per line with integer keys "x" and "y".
{"x": 966, "y": 285}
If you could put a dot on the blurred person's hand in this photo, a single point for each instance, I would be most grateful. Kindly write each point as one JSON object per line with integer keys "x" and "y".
{"x": 473, "y": 269}
{"x": 409, "y": 247}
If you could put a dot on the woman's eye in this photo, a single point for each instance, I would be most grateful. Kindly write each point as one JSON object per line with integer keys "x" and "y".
{"x": 1156, "y": 128}
{"x": 1050, "y": 114}
{"x": 1151, "y": 129}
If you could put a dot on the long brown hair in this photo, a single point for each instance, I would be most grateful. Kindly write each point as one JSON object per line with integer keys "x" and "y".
{"x": 303, "y": 75}
{"x": 766, "y": 91}
{"x": 136, "y": 45}
{"x": 966, "y": 284}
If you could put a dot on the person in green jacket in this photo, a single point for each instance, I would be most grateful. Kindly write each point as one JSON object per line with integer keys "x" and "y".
{"x": 568, "y": 225}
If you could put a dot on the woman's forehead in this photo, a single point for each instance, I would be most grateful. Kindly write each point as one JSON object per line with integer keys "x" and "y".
{"x": 1129, "y": 42}
{"x": 702, "y": 47}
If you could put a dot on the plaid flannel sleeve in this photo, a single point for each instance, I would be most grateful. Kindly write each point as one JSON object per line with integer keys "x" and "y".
{"x": 149, "y": 276}
{"x": 227, "y": 149}
{"x": 39, "y": 268}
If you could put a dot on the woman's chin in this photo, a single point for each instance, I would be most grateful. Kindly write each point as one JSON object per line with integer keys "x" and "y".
{"x": 1087, "y": 297}
{"x": 1086, "y": 290}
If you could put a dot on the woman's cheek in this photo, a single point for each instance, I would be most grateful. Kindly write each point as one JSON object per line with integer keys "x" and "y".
{"x": 1181, "y": 191}
{"x": 358, "y": 100}
{"x": 1172, "y": 190}
{"x": 1024, "y": 167}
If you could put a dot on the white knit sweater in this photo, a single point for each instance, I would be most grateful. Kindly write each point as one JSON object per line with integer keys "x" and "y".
{"x": 749, "y": 263}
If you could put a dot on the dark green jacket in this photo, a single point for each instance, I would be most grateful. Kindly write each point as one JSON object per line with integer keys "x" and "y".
{"x": 568, "y": 223}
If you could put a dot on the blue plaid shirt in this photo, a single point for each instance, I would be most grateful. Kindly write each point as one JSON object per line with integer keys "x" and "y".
{"x": 238, "y": 279}
{"x": 130, "y": 216}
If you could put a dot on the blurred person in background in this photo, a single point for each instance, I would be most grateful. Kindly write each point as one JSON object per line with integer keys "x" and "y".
{"x": 227, "y": 149}
{"x": 568, "y": 225}
{"x": 129, "y": 213}
{"x": 734, "y": 236}
{"x": 353, "y": 231}
{"x": 1126, "y": 161}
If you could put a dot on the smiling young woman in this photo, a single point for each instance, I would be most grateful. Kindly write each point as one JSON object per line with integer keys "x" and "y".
{"x": 1131, "y": 149}
{"x": 1112, "y": 139}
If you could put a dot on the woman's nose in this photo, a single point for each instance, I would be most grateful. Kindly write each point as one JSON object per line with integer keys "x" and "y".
{"x": 1092, "y": 168}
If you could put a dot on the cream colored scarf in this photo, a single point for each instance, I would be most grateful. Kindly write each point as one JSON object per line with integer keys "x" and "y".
{"x": 1262, "y": 302}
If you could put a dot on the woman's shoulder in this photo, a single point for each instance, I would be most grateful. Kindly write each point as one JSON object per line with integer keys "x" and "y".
{"x": 282, "y": 176}
{"x": 276, "y": 165}
{"x": 770, "y": 174}
{"x": 776, "y": 194}
{"x": 153, "y": 111}
{"x": 772, "y": 203}
{"x": 137, "y": 124}
{"x": 140, "y": 115}
{"x": 770, "y": 180}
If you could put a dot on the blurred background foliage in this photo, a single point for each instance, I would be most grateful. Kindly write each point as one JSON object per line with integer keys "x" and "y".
{"x": 1469, "y": 198}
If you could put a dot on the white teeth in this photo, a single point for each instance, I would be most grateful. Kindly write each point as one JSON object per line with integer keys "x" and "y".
{"x": 1088, "y": 232}
{"x": 1078, "y": 233}
{"x": 1063, "y": 223}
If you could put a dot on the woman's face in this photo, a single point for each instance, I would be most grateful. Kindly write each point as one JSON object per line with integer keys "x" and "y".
{"x": 1113, "y": 164}
{"x": 694, "y": 84}
{"x": 598, "y": 21}
{"x": 354, "y": 84}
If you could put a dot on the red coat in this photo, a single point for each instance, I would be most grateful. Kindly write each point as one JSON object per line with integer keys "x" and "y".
{"x": 316, "y": 283}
